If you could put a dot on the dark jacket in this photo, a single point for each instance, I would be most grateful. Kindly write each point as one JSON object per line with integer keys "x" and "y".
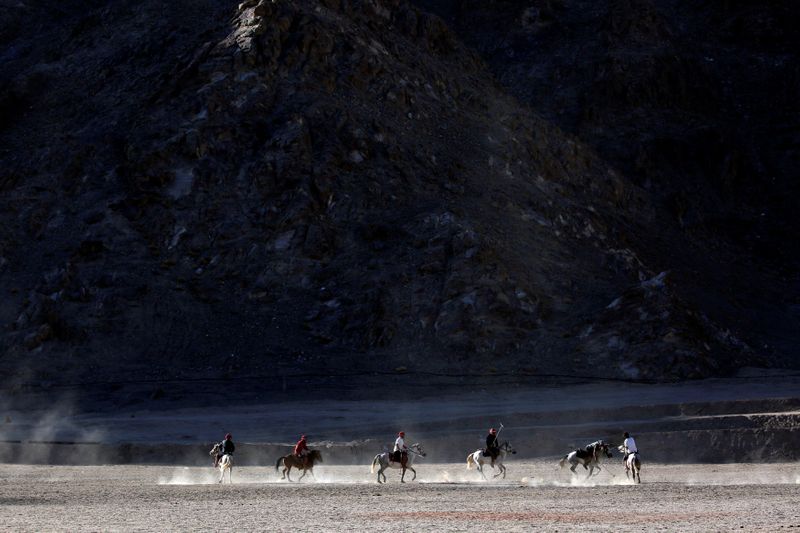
{"x": 227, "y": 447}
{"x": 491, "y": 441}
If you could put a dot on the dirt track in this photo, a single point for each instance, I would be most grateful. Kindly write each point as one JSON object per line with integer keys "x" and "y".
{"x": 444, "y": 497}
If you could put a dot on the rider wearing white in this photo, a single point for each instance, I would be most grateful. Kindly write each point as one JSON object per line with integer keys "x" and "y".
{"x": 400, "y": 452}
{"x": 629, "y": 445}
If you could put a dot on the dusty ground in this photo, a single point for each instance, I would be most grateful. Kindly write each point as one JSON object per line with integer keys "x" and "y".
{"x": 536, "y": 495}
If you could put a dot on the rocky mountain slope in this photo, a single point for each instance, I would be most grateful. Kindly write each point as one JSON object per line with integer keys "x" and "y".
{"x": 212, "y": 189}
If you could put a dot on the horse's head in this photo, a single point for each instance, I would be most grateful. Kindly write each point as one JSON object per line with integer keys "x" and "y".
{"x": 604, "y": 449}
{"x": 316, "y": 456}
{"x": 417, "y": 447}
{"x": 214, "y": 450}
{"x": 506, "y": 446}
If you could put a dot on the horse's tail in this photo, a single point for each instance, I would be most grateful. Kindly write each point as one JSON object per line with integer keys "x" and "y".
{"x": 278, "y": 464}
{"x": 470, "y": 462}
{"x": 374, "y": 462}
{"x": 563, "y": 461}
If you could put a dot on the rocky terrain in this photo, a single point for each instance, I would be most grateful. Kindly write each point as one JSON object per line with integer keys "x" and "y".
{"x": 211, "y": 189}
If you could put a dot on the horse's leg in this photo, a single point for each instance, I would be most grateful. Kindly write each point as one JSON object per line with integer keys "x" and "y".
{"x": 480, "y": 469}
{"x": 499, "y": 470}
{"x": 573, "y": 467}
{"x": 591, "y": 469}
{"x": 302, "y": 475}
{"x": 289, "y": 473}
{"x": 413, "y": 472}
{"x": 403, "y": 475}
{"x": 598, "y": 469}
{"x": 312, "y": 474}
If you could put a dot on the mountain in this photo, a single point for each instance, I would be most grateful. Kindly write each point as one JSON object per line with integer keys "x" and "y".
{"x": 212, "y": 189}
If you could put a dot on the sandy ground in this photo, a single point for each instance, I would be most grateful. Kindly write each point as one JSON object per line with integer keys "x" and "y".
{"x": 445, "y": 497}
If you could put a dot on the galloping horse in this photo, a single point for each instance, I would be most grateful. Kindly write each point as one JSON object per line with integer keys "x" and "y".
{"x": 384, "y": 459}
{"x": 632, "y": 465}
{"x": 588, "y": 457}
{"x": 225, "y": 463}
{"x": 292, "y": 461}
{"x": 478, "y": 458}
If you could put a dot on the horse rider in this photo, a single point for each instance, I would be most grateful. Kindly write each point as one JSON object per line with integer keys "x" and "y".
{"x": 492, "y": 449}
{"x": 400, "y": 452}
{"x": 226, "y": 447}
{"x": 629, "y": 446}
{"x": 301, "y": 451}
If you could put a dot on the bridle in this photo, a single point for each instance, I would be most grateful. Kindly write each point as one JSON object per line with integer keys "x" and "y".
{"x": 416, "y": 449}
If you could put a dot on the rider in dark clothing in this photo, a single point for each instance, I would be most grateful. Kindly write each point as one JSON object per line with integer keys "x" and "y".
{"x": 492, "y": 449}
{"x": 226, "y": 447}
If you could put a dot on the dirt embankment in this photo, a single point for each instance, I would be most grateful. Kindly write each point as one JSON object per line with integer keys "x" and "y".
{"x": 724, "y": 431}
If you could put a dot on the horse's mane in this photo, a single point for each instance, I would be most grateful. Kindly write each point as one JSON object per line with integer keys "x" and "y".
{"x": 316, "y": 455}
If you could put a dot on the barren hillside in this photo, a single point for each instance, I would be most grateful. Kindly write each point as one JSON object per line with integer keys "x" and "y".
{"x": 200, "y": 189}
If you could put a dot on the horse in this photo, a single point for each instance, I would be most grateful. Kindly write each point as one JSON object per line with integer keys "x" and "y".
{"x": 588, "y": 457}
{"x": 478, "y": 458}
{"x": 632, "y": 465}
{"x": 225, "y": 463}
{"x": 292, "y": 461}
{"x": 384, "y": 460}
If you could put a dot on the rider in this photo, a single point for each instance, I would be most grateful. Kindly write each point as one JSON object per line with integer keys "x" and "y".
{"x": 492, "y": 449}
{"x": 400, "y": 452}
{"x": 301, "y": 451}
{"x": 226, "y": 447}
{"x": 629, "y": 446}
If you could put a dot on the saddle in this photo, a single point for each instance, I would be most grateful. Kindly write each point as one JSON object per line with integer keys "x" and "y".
{"x": 584, "y": 454}
{"x": 397, "y": 457}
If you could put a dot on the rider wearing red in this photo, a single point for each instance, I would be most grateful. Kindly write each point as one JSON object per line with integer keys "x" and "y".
{"x": 301, "y": 450}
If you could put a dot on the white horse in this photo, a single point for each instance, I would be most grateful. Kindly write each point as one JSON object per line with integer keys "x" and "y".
{"x": 225, "y": 463}
{"x": 588, "y": 457}
{"x": 633, "y": 465}
{"x": 384, "y": 460}
{"x": 478, "y": 458}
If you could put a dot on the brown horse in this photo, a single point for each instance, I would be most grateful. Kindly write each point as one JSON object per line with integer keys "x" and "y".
{"x": 292, "y": 461}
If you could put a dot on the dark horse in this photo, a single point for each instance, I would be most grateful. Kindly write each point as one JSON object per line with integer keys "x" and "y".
{"x": 292, "y": 461}
{"x": 588, "y": 457}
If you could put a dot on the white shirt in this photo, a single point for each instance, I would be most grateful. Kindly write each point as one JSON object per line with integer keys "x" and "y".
{"x": 630, "y": 444}
{"x": 399, "y": 444}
